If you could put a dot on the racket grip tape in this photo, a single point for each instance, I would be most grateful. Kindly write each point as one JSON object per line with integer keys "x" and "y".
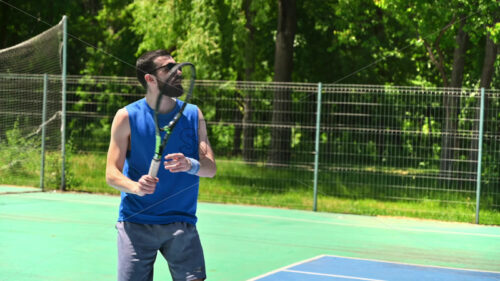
{"x": 153, "y": 168}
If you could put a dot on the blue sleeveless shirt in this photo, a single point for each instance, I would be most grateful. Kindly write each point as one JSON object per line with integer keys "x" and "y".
{"x": 176, "y": 194}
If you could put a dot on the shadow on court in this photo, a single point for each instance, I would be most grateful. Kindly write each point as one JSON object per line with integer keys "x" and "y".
{"x": 69, "y": 236}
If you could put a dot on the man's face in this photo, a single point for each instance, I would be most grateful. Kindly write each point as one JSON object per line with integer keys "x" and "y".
{"x": 169, "y": 83}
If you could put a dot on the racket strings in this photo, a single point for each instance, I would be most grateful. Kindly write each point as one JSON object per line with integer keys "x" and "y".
{"x": 172, "y": 76}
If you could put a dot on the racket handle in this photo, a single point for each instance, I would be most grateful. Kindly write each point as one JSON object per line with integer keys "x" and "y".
{"x": 153, "y": 168}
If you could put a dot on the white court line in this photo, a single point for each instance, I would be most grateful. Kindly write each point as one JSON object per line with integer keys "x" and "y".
{"x": 285, "y": 267}
{"x": 353, "y": 225}
{"x": 332, "y": 275}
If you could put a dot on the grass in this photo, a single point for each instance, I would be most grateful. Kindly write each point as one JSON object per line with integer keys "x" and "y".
{"x": 238, "y": 183}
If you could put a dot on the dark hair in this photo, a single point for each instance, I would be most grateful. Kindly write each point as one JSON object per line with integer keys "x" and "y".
{"x": 145, "y": 64}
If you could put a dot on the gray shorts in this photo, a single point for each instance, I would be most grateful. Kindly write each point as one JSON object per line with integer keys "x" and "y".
{"x": 179, "y": 244}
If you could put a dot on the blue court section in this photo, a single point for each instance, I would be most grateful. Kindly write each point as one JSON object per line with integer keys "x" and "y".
{"x": 330, "y": 268}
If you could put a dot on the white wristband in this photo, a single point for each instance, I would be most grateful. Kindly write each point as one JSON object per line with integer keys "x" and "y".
{"x": 195, "y": 166}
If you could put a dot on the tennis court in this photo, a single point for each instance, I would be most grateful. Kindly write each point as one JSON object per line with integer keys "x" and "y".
{"x": 71, "y": 236}
{"x": 341, "y": 268}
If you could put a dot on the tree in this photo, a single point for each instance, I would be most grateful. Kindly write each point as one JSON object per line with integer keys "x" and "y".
{"x": 112, "y": 45}
{"x": 249, "y": 63}
{"x": 487, "y": 73}
{"x": 445, "y": 29}
{"x": 21, "y": 20}
{"x": 189, "y": 30}
{"x": 283, "y": 66}
{"x": 451, "y": 103}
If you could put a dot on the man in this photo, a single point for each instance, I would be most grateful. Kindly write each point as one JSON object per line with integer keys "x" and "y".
{"x": 158, "y": 213}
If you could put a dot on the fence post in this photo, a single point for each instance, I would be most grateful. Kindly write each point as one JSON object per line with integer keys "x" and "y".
{"x": 44, "y": 117}
{"x": 479, "y": 154}
{"x": 316, "y": 148}
{"x": 63, "y": 109}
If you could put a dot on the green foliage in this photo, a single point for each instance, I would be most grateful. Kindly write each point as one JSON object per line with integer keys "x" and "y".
{"x": 19, "y": 154}
{"x": 22, "y": 161}
{"x": 97, "y": 109}
{"x": 187, "y": 28}
{"x": 113, "y": 43}
{"x": 368, "y": 41}
{"x": 53, "y": 171}
{"x": 209, "y": 33}
{"x": 432, "y": 27}
{"x": 494, "y": 32}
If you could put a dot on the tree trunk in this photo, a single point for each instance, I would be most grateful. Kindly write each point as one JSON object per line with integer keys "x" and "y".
{"x": 451, "y": 103}
{"x": 283, "y": 65}
{"x": 490, "y": 54}
{"x": 248, "y": 128}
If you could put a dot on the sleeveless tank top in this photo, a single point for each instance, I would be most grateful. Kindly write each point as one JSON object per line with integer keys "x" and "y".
{"x": 176, "y": 194}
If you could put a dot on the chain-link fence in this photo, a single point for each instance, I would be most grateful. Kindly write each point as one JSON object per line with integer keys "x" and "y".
{"x": 28, "y": 100}
{"x": 369, "y": 142}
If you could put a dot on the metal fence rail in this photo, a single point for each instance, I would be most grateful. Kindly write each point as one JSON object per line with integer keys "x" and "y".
{"x": 361, "y": 141}
{"x": 403, "y": 143}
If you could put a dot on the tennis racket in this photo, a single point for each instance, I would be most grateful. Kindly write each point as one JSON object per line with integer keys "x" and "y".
{"x": 179, "y": 82}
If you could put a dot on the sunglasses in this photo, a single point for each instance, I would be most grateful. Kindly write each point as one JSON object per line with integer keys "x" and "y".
{"x": 168, "y": 66}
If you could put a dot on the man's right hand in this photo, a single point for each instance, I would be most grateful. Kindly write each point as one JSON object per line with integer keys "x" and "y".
{"x": 146, "y": 185}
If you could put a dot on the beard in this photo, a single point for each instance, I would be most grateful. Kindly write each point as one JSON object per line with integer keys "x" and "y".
{"x": 173, "y": 89}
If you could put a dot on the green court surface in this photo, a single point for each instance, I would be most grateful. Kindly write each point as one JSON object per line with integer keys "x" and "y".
{"x": 71, "y": 236}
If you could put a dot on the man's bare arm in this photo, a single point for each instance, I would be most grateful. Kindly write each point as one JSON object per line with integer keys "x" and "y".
{"x": 208, "y": 167}
{"x": 118, "y": 145}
